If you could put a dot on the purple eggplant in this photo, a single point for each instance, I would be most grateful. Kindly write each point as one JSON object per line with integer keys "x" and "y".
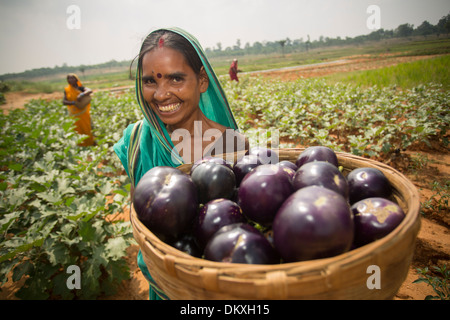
{"x": 320, "y": 173}
{"x": 314, "y": 222}
{"x": 367, "y": 182}
{"x": 263, "y": 191}
{"x": 240, "y": 243}
{"x": 214, "y": 215}
{"x": 317, "y": 153}
{"x": 213, "y": 181}
{"x": 375, "y": 218}
{"x": 166, "y": 201}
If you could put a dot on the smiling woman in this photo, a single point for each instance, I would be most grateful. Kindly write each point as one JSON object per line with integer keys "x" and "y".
{"x": 181, "y": 98}
{"x": 174, "y": 97}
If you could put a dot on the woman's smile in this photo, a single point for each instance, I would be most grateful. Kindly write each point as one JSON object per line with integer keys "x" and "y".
{"x": 169, "y": 108}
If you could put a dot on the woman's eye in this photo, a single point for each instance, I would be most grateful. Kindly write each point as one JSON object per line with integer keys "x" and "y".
{"x": 177, "y": 79}
{"x": 149, "y": 81}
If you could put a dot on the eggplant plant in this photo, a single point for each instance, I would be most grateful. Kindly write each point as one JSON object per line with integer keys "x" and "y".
{"x": 56, "y": 201}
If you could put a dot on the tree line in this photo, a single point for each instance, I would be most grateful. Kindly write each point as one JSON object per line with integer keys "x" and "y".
{"x": 267, "y": 47}
{"x": 287, "y": 45}
{"x": 64, "y": 69}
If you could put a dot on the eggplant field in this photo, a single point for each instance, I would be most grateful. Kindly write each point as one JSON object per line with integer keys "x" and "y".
{"x": 372, "y": 122}
{"x": 59, "y": 201}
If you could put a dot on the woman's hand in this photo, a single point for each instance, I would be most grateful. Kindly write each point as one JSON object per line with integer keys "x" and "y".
{"x": 86, "y": 92}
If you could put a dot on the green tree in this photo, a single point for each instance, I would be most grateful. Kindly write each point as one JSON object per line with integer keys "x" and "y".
{"x": 404, "y": 30}
{"x": 425, "y": 29}
{"x": 443, "y": 25}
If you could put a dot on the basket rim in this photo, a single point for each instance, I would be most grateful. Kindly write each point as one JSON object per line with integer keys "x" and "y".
{"x": 411, "y": 220}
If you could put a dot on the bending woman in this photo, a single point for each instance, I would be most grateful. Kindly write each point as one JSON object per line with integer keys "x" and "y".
{"x": 186, "y": 113}
{"x": 73, "y": 93}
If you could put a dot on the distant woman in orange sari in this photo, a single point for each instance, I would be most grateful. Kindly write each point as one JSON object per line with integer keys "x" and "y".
{"x": 75, "y": 96}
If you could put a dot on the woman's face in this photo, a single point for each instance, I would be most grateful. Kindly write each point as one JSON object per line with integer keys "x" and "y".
{"x": 72, "y": 80}
{"x": 171, "y": 87}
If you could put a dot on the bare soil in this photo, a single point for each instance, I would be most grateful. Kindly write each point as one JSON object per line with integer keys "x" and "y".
{"x": 345, "y": 64}
{"x": 433, "y": 242}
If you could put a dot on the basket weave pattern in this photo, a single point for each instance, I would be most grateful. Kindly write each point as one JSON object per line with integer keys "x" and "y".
{"x": 344, "y": 276}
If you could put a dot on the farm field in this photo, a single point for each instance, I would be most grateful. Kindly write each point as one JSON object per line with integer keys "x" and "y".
{"x": 406, "y": 128}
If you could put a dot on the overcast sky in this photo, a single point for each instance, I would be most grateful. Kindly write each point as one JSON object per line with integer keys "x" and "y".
{"x": 44, "y": 33}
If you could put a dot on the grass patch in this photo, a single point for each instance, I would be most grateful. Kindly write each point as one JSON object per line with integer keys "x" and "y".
{"x": 36, "y": 86}
{"x": 404, "y": 75}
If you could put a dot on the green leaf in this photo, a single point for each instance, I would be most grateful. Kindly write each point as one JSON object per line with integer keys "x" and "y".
{"x": 52, "y": 198}
{"x": 69, "y": 201}
{"x": 60, "y": 286}
{"x": 57, "y": 252}
{"x": 22, "y": 269}
{"x": 8, "y": 219}
{"x": 17, "y": 196}
{"x": 35, "y": 289}
{"x": 15, "y": 166}
{"x": 67, "y": 126}
{"x": 22, "y": 248}
{"x": 386, "y": 147}
{"x": 86, "y": 231}
{"x": 38, "y": 187}
{"x": 106, "y": 188}
{"x": 90, "y": 286}
{"x": 121, "y": 192}
{"x": 116, "y": 248}
{"x": 64, "y": 186}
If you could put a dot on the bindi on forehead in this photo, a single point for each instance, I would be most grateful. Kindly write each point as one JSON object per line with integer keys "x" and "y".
{"x": 158, "y": 75}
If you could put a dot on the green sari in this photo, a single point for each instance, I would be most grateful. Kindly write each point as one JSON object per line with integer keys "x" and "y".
{"x": 147, "y": 144}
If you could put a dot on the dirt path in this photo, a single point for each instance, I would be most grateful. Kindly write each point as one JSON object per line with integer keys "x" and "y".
{"x": 345, "y": 64}
{"x": 18, "y": 99}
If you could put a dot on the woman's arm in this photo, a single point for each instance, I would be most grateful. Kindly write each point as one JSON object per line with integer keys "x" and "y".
{"x": 67, "y": 102}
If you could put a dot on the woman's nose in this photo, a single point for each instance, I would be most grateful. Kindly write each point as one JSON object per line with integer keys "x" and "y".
{"x": 161, "y": 92}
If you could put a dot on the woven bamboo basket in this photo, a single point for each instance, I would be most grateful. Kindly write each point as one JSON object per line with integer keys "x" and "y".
{"x": 83, "y": 102}
{"x": 345, "y": 276}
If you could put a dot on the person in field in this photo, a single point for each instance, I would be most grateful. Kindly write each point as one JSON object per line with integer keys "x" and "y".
{"x": 77, "y": 99}
{"x": 184, "y": 110}
{"x": 233, "y": 72}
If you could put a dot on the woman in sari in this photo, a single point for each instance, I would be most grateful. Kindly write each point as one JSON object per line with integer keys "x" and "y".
{"x": 73, "y": 94}
{"x": 180, "y": 98}
{"x": 233, "y": 72}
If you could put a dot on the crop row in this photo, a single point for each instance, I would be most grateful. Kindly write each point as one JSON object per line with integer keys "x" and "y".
{"x": 364, "y": 121}
{"x": 55, "y": 201}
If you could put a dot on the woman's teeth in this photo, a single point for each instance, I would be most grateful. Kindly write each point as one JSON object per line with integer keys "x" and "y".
{"x": 169, "y": 107}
